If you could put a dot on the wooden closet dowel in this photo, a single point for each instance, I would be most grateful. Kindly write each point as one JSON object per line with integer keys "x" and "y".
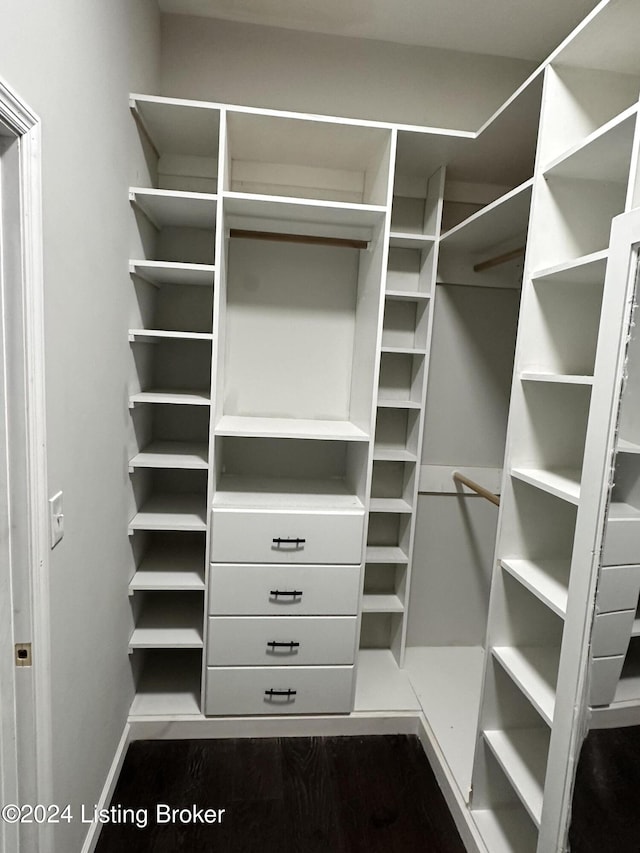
{"x": 499, "y": 259}
{"x": 277, "y": 237}
{"x": 476, "y": 487}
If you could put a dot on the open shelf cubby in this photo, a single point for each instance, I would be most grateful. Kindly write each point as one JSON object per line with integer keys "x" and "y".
{"x": 168, "y": 561}
{"x": 409, "y": 272}
{"x": 167, "y": 619}
{"x": 164, "y": 301}
{"x": 169, "y": 500}
{"x": 384, "y": 588}
{"x": 307, "y": 158}
{"x": 396, "y": 434}
{"x": 401, "y": 377}
{"x": 393, "y": 480}
{"x": 405, "y": 324}
{"x": 164, "y": 434}
{"x": 168, "y": 681}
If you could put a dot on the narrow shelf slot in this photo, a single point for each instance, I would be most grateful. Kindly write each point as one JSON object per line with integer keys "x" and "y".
{"x": 194, "y": 397}
{"x": 180, "y": 511}
{"x": 390, "y": 505}
{"x": 535, "y": 670}
{"x": 160, "y": 273}
{"x": 171, "y": 563}
{"x": 403, "y": 240}
{"x": 563, "y": 483}
{"x": 548, "y": 580}
{"x": 154, "y": 335}
{"x": 561, "y": 378}
{"x": 406, "y": 295}
{"x": 522, "y": 754}
{"x": 169, "y": 620}
{"x": 169, "y": 683}
{"x": 494, "y": 223}
{"x": 303, "y": 428}
{"x": 381, "y": 603}
{"x": 385, "y": 403}
{"x": 506, "y": 829}
{"x": 172, "y": 454}
{"x": 385, "y": 554}
{"x": 391, "y": 454}
{"x": 176, "y": 208}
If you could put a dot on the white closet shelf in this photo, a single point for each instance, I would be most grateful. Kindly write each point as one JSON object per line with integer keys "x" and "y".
{"x": 534, "y": 669}
{"x": 604, "y": 155}
{"x": 406, "y": 295}
{"x": 546, "y": 579}
{"x": 179, "y": 126}
{"x": 562, "y": 482}
{"x": 506, "y": 829}
{"x": 398, "y": 404}
{"x": 169, "y": 684}
{"x": 194, "y": 397}
{"x": 169, "y": 622}
{"x": 381, "y": 685}
{"x": 393, "y": 454}
{"x": 587, "y": 269}
{"x": 404, "y": 350}
{"x": 390, "y": 505}
{"x": 408, "y": 240}
{"x": 494, "y": 223}
{"x": 377, "y": 602}
{"x": 624, "y": 446}
{"x": 236, "y": 425}
{"x": 180, "y": 511}
{"x": 172, "y": 454}
{"x": 170, "y": 272}
{"x": 619, "y": 511}
{"x": 176, "y": 208}
{"x": 152, "y": 336}
{"x": 171, "y": 565}
{"x": 522, "y": 754}
{"x": 562, "y": 378}
{"x": 281, "y": 214}
{"x": 285, "y": 493}
{"x": 385, "y": 554}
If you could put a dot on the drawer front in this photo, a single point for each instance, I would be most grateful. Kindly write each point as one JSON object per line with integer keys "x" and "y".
{"x": 240, "y": 536}
{"x": 244, "y": 691}
{"x": 611, "y": 633}
{"x": 283, "y": 590}
{"x": 618, "y": 588}
{"x": 605, "y": 674}
{"x": 621, "y": 542}
{"x": 281, "y": 640}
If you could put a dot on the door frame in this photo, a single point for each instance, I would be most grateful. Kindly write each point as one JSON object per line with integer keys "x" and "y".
{"x": 31, "y": 686}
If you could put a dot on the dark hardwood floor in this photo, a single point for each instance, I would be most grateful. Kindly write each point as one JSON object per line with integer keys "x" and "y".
{"x": 605, "y": 814}
{"x": 282, "y": 795}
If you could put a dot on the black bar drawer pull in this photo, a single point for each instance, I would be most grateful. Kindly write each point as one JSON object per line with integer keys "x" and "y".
{"x": 274, "y": 645}
{"x": 278, "y": 541}
{"x": 279, "y": 694}
{"x": 285, "y": 593}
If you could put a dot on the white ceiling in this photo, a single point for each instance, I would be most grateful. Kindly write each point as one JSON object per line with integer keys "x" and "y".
{"x": 526, "y": 29}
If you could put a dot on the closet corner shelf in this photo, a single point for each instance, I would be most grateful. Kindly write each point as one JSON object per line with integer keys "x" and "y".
{"x": 506, "y": 829}
{"x": 603, "y": 155}
{"x": 522, "y": 754}
{"x": 390, "y": 505}
{"x": 624, "y": 446}
{"x": 169, "y": 684}
{"x": 260, "y": 427}
{"x": 177, "y": 125}
{"x": 403, "y": 240}
{"x": 404, "y": 350}
{"x": 562, "y": 482}
{"x": 159, "y": 273}
{"x": 561, "y": 378}
{"x": 587, "y": 269}
{"x": 175, "y": 208}
{"x": 172, "y": 454}
{"x": 534, "y": 670}
{"x": 194, "y": 397}
{"x": 406, "y": 295}
{"x": 546, "y": 579}
{"x": 180, "y": 511}
{"x": 152, "y": 336}
{"x": 381, "y": 603}
{"x": 385, "y": 554}
{"x": 169, "y": 622}
{"x": 503, "y": 218}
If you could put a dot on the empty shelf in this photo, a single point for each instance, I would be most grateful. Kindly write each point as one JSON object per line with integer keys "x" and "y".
{"x": 374, "y": 602}
{"x": 407, "y": 240}
{"x": 405, "y": 350}
{"x": 562, "y": 378}
{"x": 406, "y": 295}
{"x": 534, "y": 669}
{"x": 547, "y": 579}
{"x": 194, "y": 397}
{"x": 290, "y": 428}
{"x": 169, "y": 621}
{"x": 393, "y": 454}
{"x": 178, "y": 126}
{"x": 563, "y": 483}
{"x": 172, "y": 454}
{"x": 587, "y": 269}
{"x": 152, "y": 336}
{"x": 385, "y": 554}
{"x": 172, "y": 207}
{"x": 172, "y": 512}
{"x": 624, "y": 446}
{"x": 398, "y": 404}
{"x": 522, "y": 754}
{"x": 285, "y": 493}
{"x": 171, "y": 566}
{"x": 381, "y": 685}
{"x": 168, "y": 272}
{"x": 169, "y": 684}
{"x": 390, "y": 505}
{"x": 506, "y": 829}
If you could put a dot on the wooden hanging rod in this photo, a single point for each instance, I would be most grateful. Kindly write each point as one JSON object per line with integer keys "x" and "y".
{"x": 276, "y": 237}
{"x": 476, "y": 487}
{"x": 499, "y": 259}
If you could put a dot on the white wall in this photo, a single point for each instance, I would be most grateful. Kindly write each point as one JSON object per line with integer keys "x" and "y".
{"x": 70, "y": 60}
{"x": 235, "y": 63}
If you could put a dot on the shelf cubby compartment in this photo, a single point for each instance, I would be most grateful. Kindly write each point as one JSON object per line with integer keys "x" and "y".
{"x": 169, "y": 500}
{"x": 396, "y": 435}
{"x": 401, "y": 378}
{"x": 307, "y": 158}
{"x": 164, "y": 431}
{"x": 171, "y": 454}
{"x": 547, "y": 579}
{"x": 551, "y": 419}
{"x": 384, "y": 588}
{"x": 179, "y": 369}
{"x": 622, "y": 528}
{"x": 172, "y": 397}
{"x": 184, "y": 140}
{"x": 167, "y": 620}
{"x": 388, "y": 530}
{"x": 381, "y": 630}
{"x": 405, "y": 325}
{"x": 393, "y": 480}
{"x": 409, "y": 272}
{"x": 275, "y": 473}
{"x": 168, "y": 682}
{"x": 168, "y": 561}
{"x": 164, "y": 273}
{"x": 172, "y": 298}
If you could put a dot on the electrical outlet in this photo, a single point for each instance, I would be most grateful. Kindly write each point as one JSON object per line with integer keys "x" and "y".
{"x": 56, "y": 519}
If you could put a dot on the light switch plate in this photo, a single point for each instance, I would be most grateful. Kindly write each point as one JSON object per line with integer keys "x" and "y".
{"x": 56, "y": 519}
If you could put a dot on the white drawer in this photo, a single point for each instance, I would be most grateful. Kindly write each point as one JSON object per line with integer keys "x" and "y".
{"x": 281, "y": 640}
{"x": 283, "y": 590}
{"x": 605, "y": 674}
{"x": 281, "y": 536}
{"x": 622, "y": 538}
{"x": 611, "y": 633}
{"x": 618, "y": 588}
{"x": 240, "y": 691}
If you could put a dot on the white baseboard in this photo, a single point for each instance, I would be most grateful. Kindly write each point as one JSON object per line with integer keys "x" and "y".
{"x": 109, "y": 786}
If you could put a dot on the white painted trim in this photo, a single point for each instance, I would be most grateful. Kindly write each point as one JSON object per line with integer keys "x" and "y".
{"x": 25, "y": 124}
{"x": 93, "y": 833}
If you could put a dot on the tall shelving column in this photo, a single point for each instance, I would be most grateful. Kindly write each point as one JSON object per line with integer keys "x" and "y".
{"x": 555, "y": 480}
{"x": 175, "y": 209}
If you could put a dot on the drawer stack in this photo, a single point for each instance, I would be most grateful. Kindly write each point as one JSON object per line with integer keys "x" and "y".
{"x": 283, "y": 601}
